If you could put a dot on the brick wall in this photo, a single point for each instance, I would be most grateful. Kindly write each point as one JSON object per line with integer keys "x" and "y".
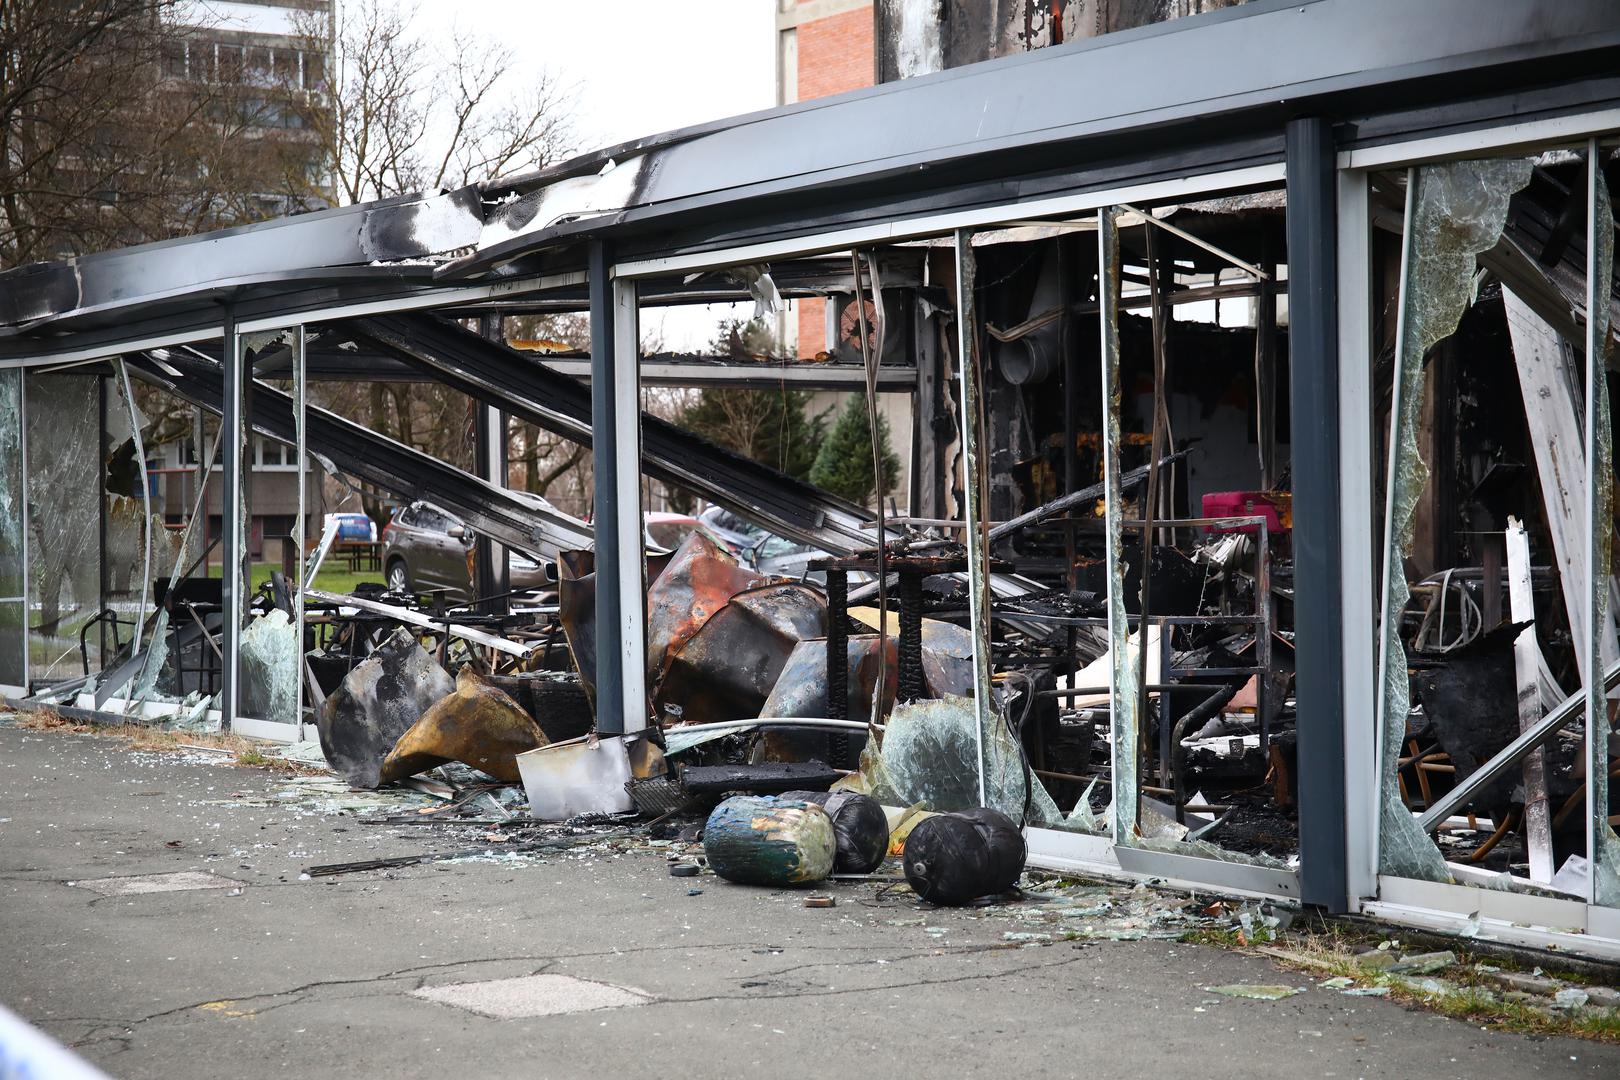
{"x": 835, "y": 54}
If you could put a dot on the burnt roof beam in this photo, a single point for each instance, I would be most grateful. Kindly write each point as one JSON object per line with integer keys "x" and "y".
{"x": 497, "y": 375}
{"x": 515, "y": 519}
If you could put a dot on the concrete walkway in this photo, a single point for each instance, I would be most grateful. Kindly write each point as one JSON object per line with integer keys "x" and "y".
{"x": 264, "y": 974}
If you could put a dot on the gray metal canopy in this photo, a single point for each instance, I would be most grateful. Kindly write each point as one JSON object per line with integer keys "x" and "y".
{"x": 1200, "y": 93}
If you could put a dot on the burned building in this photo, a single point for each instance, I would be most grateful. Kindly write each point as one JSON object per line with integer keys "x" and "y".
{"x": 1261, "y": 524}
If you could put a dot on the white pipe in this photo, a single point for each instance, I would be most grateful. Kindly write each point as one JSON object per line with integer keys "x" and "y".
{"x": 776, "y": 721}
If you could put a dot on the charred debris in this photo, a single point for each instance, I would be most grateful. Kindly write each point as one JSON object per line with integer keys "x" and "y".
{"x": 1171, "y": 718}
{"x": 1256, "y": 523}
{"x": 857, "y": 674}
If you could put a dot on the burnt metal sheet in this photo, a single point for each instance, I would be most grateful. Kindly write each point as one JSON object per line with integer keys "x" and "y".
{"x": 526, "y": 388}
{"x": 801, "y": 690}
{"x": 379, "y": 701}
{"x": 513, "y": 518}
{"x": 406, "y": 227}
{"x": 477, "y": 724}
{"x": 727, "y": 669}
{"x": 1470, "y": 701}
{"x": 984, "y": 132}
{"x": 699, "y": 581}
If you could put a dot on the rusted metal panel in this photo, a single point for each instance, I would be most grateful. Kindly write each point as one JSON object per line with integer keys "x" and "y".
{"x": 727, "y": 669}
{"x": 699, "y": 581}
{"x": 719, "y": 635}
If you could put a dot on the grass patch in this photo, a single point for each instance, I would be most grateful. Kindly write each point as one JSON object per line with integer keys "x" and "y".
{"x": 1221, "y": 937}
{"x": 1472, "y": 995}
{"x": 332, "y": 577}
{"x": 1480, "y": 1006}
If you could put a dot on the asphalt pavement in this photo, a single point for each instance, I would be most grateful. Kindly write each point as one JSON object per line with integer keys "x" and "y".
{"x": 157, "y": 920}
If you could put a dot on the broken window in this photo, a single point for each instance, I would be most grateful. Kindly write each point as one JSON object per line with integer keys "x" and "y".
{"x": 273, "y": 508}
{"x": 1455, "y": 211}
{"x": 1496, "y": 564}
{"x": 13, "y": 599}
{"x": 1123, "y": 685}
{"x": 1601, "y": 751}
{"x": 1193, "y": 762}
{"x": 64, "y": 450}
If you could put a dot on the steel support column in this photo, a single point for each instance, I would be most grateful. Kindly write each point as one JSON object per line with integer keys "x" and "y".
{"x": 1314, "y": 358}
{"x": 233, "y": 547}
{"x": 616, "y": 517}
{"x": 489, "y": 463}
{"x": 976, "y": 486}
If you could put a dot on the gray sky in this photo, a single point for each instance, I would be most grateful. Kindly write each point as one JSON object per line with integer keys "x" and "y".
{"x": 638, "y": 67}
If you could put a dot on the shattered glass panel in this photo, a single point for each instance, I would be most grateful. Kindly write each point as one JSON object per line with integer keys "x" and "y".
{"x": 63, "y": 429}
{"x": 138, "y": 547}
{"x": 13, "y": 605}
{"x": 930, "y": 756}
{"x": 269, "y": 667}
{"x": 1606, "y": 879}
{"x": 1123, "y": 694}
{"x": 269, "y": 661}
{"x": 1455, "y": 212}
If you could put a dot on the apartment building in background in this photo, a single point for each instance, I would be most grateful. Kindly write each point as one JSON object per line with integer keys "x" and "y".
{"x": 266, "y": 67}
{"x": 267, "y": 64}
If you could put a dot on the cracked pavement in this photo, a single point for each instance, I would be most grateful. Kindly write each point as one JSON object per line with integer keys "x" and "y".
{"x": 315, "y": 978}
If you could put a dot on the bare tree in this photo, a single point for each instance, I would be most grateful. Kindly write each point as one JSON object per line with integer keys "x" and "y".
{"x": 87, "y": 146}
{"x": 405, "y": 116}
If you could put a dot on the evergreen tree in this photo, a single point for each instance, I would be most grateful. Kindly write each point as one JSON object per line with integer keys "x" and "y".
{"x": 844, "y": 463}
{"x": 771, "y": 426}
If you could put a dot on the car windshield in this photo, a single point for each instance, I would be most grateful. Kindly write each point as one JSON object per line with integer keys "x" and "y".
{"x": 669, "y": 534}
{"x": 775, "y": 547}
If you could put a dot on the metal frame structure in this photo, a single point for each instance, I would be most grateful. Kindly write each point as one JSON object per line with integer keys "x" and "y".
{"x": 1115, "y": 854}
{"x": 1314, "y": 93}
{"x": 1542, "y": 921}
